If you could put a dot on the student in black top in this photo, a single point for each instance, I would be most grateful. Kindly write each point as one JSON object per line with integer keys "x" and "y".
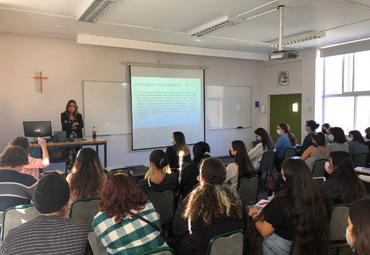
{"x": 160, "y": 180}
{"x": 311, "y": 127}
{"x": 201, "y": 151}
{"x": 72, "y": 123}
{"x": 297, "y": 206}
{"x": 172, "y": 152}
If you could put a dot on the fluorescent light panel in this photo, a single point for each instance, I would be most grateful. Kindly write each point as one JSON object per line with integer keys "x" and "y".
{"x": 214, "y": 26}
{"x": 95, "y": 9}
{"x": 299, "y": 38}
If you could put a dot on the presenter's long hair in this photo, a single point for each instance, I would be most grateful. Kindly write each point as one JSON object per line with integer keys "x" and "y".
{"x": 245, "y": 166}
{"x": 76, "y": 108}
{"x": 267, "y": 142}
{"x": 120, "y": 195}
{"x": 210, "y": 200}
{"x": 180, "y": 144}
{"x": 303, "y": 204}
{"x": 87, "y": 175}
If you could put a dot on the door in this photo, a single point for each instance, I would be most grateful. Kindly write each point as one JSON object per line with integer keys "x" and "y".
{"x": 286, "y": 108}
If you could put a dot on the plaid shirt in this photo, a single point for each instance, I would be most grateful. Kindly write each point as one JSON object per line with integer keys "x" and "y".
{"x": 132, "y": 235}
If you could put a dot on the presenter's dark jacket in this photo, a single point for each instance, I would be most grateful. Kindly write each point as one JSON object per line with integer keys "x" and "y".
{"x": 173, "y": 159}
{"x": 307, "y": 142}
{"x": 77, "y": 133}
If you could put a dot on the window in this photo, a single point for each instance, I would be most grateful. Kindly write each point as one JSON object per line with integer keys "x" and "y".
{"x": 346, "y": 91}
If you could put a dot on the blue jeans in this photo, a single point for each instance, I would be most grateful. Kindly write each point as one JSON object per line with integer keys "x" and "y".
{"x": 275, "y": 245}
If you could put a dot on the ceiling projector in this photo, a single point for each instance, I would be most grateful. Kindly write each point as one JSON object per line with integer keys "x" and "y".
{"x": 284, "y": 54}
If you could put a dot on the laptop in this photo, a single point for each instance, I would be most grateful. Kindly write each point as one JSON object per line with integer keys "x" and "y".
{"x": 60, "y": 136}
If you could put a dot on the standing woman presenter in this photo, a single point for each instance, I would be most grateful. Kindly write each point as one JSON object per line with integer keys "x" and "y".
{"x": 72, "y": 123}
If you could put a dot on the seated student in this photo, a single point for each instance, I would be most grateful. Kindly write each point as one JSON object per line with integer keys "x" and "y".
{"x": 48, "y": 233}
{"x": 190, "y": 174}
{"x": 160, "y": 180}
{"x": 172, "y": 152}
{"x": 265, "y": 143}
{"x": 127, "y": 222}
{"x": 297, "y": 206}
{"x": 367, "y": 131}
{"x": 87, "y": 177}
{"x": 358, "y": 230}
{"x": 207, "y": 211}
{"x": 317, "y": 152}
{"x": 337, "y": 140}
{"x": 15, "y": 188}
{"x": 286, "y": 141}
{"x": 33, "y": 163}
{"x": 343, "y": 186}
{"x": 310, "y": 127}
{"x": 242, "y": 165}
{"x": 356, "y": 144}
{"x": 325, "y": 128}
{"x": 149, "y": 173}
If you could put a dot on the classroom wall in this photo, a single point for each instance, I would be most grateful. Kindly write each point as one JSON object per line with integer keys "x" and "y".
{"x": 67, "y": 65}
{"x": 302, "y": 80}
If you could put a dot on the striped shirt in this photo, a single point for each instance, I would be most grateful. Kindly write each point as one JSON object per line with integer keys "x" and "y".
{"x": 132, "y": 235}
{"x": 50, "y": 235}
{"x": 15, "y": 189}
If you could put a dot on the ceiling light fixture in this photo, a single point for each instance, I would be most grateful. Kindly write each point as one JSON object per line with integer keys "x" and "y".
{"x": 299, "y": 38}
{"x": 95, "y": 9}
{"x": 216, "y": 25}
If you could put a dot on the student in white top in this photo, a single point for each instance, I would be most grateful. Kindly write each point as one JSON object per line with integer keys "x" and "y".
{"x": 265, "y": 144}
{"x": 242, "y": 165}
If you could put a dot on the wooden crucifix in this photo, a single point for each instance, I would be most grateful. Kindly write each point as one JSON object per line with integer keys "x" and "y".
{"x": 41, "y": 80}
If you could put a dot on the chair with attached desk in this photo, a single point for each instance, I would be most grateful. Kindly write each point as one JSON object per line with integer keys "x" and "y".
{"x": 227, "y": 243}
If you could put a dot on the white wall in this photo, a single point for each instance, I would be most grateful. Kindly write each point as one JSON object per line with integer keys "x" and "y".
{"x": 302, "y": 80}
{"x": 66, "y": 65}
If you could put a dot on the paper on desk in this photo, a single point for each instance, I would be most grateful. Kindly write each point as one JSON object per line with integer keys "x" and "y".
{"x": 361, "y": 169}
{"x": 262, "y": 203}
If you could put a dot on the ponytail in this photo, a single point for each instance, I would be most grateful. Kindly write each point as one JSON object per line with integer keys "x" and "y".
{"x": 159, "y": 158}
{"x": 284, "y": 126}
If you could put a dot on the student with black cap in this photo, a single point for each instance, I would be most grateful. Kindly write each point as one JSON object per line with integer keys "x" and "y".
{"x": 50, "y": 232}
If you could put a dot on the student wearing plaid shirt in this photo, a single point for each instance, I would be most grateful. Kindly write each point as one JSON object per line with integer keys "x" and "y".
{"x": 117, "y": 225}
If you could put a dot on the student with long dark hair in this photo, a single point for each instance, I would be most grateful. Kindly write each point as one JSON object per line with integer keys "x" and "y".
{"x": 207, "y": 211}
{"x": 172, "y": 152}
{"x": 337, "y": 140}
{"x": 120, "y": 224}
{"x": 265, "y": 144}
{"x": 242, "y": 165}
{"x": 343, "y": 186}
{"x": 160, "y": 180}
{"x": 310, "y": 127}
{"x": 87, "y": 176}
{"x": 356, "y": 144}
{"x": 358, "y": 231}
{"x": 316, "y": 151}
{"x": 201, "y": 151}
{"x": 325, "y": 128}
{"x": 297, "y": 206}
{"x": 286, "y": 141}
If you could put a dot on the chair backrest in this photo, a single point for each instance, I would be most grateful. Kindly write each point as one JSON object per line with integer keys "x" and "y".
{"x": 158, "y": 251}
{"x": 267, "y": 162}
{"x": 95, "y": 244}
{"x": 289, "y": 153}
{"x": 85, "y": 209}
{"x": 228, "y": 243}
{"x": 294, "y": 249}
{"x": 319, "y": 168}
{"x": 185, "y": 164}
{"x": 248, "y": 188}
{"x": 360, "y": 159}
{"x": 164, "y": 204}
{"x": 121, "y": 170}
{"x": 15, "y": 216}
{"x": 338, "y": 215}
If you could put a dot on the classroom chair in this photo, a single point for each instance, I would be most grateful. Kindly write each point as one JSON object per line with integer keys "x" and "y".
{"x": 318, "y": 169}
{"x": 84, "y": 210}
{"x": 289, "y": 153}
{"x": 338, "y": 220}
{"x": 230, "y": 243}
{"x": 248, "y": 188}
{"x": 15, "y": 216}
{"x": 97, "y": 247}
{"x": 164, "y": 203}
{"x": 294, "y": 249}
{"x": 158, "y": 251}
{"x": 267, "y": 165}
{"x": 360, "y": 159}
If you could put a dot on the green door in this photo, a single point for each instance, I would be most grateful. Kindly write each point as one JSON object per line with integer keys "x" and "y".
{"x": 286, "y": 108}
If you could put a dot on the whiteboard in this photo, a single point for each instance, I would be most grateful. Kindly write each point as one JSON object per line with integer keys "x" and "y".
{"x": 227, "y": 107}
{"x": 107, "y": 107}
